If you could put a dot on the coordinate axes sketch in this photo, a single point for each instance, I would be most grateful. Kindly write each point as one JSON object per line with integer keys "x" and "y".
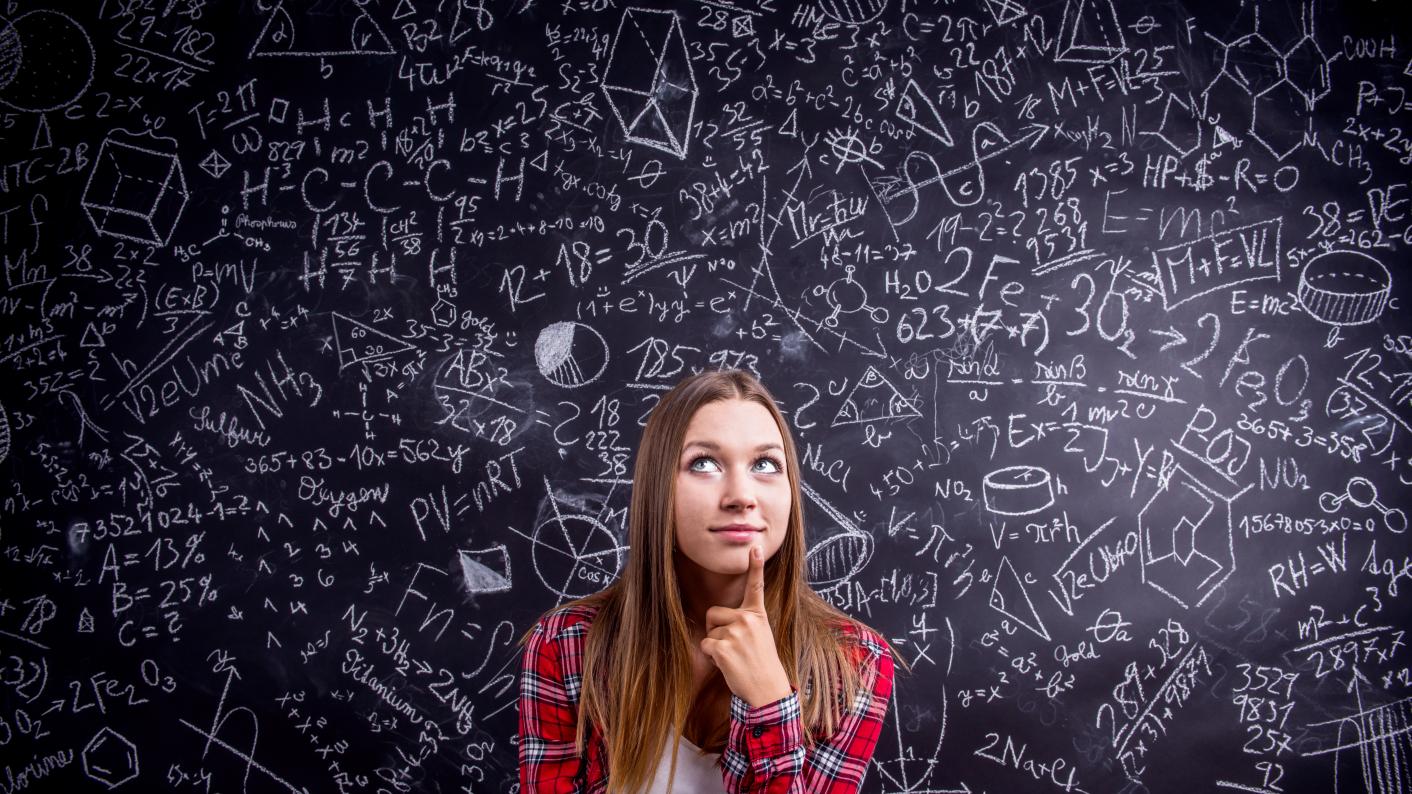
{"x": 332, "y": 329}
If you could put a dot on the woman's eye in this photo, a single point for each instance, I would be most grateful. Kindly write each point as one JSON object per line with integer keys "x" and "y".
{"x": 775, "y": 466}
{"x": 774, "y": 463}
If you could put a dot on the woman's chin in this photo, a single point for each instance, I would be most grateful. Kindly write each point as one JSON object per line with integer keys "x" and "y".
{"x": 724, "y": 562}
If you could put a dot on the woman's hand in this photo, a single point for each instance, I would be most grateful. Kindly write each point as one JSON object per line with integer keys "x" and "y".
{"x": 741, "y": 645}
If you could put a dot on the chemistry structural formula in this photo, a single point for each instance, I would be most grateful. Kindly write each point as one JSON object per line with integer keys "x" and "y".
{"x": 330, "y": 330}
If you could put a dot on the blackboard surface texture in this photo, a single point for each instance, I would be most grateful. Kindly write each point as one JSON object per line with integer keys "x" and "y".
{"x": 329, "y": 330}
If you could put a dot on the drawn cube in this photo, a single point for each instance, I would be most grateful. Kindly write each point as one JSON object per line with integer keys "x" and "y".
{"x": 135, "y": 193}
{"x": 649, "y": 81}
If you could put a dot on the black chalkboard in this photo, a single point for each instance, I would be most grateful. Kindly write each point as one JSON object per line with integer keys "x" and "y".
{"x": 330, "y": 329}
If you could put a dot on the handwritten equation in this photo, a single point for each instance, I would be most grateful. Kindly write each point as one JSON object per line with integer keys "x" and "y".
{"x": 330, "y": 331}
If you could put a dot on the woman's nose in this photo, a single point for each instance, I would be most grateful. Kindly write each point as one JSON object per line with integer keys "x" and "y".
{"x": 739, "y": 490}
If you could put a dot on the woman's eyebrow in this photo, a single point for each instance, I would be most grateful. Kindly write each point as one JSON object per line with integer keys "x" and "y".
{"x": 714, "y": 445}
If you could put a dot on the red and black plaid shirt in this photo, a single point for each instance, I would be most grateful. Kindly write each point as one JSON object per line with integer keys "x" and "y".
{"x": 765, "y": 751}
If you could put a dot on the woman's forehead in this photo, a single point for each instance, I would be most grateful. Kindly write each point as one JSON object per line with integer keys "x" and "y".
{"x": 741, "y": 424}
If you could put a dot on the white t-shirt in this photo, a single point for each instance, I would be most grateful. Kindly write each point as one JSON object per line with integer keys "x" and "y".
{"x": 696, "y": 773}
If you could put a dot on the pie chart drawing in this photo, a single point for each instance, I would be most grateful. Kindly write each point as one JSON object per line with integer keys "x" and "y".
{"x": 46, "y": 61}
{"x": 575, "y": 555}
{"x": 570, "y": 354}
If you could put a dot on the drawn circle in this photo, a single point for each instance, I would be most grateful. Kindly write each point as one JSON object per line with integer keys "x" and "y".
{"x": 854, "y": 12}
{"x": 52, "y": 62}
{"x": 838, "y": 558}
{"x": 1396, "y": 520}
{"x": 575, "y": 555}
{"x": 848, "y": 295}
{"x": 1361, "y": 492}
{"x": 849, "y": 148}
{"x": 1329, "y": 501}
{"x": 12, "y": 51}
{"x": 1345, "y": 287}
{"x": 651, "y": 171}
{"x": 570, "y": 354}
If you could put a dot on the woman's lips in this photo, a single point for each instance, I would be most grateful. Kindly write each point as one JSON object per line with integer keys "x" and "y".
{"x": 737, "y": 534}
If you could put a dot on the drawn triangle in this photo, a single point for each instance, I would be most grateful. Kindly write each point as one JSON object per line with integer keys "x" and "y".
{"x": 486, "y": 570}
{"x": 1005, "y": 11}
{"x": 916, "y": 109}
{"x": 357, "y": 342}
{"x": 1090, "y": 33}
{"x": 91, "y": 338}
{"x": 237, "y": 331}
{"x": 344, "y": 29}
{"x": 790, "y": 127}
{"x": 1224, "y": 138}
{"x": 874, "y": 399}
{"x": 1009, "y": 597}
{"x": 42, "y": 138}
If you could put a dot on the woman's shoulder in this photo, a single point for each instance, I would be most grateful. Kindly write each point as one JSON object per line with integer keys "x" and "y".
{"x": 554, "y": 649}
{"x": 565, "y": 621}
{"x": 864, "y": 642}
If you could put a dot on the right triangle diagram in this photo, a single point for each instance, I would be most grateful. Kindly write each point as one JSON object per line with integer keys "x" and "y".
{"x": 1009, "y": 597}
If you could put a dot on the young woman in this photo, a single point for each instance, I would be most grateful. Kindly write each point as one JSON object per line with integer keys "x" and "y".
{"x": 711, "y": 636}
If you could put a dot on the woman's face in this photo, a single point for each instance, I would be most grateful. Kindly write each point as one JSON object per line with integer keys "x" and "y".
{"x": 731, "y": 471}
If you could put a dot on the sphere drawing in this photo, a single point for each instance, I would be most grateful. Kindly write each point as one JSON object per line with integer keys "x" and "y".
{"x": 46, "y": 61}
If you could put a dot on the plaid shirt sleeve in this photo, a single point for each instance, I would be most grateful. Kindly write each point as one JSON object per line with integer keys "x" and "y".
{"x": 766, "y": 753}
{"x": 548, "y": 761}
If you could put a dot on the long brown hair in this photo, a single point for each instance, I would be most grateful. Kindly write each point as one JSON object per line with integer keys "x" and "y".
{"x": 639, "y": 700}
